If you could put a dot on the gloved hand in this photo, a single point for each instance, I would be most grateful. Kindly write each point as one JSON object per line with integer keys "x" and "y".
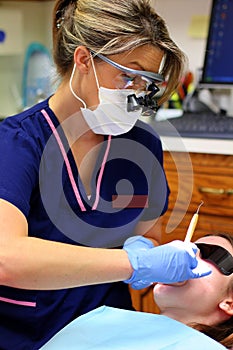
{"x": 139, "y": 243}
{"x": 168, "y": 263}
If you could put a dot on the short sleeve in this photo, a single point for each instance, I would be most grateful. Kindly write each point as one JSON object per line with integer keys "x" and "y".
{"x": 158, "y": 195}
{"x": 158, "y": 192}
{"x": 19, "y": 164}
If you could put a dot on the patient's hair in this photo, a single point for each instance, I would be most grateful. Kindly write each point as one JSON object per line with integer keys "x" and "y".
{"x": 222, "y": 332}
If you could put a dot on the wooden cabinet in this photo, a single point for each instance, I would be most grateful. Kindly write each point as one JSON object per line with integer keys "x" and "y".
{"x": 194, "y": 177}
{"x": 143, "y": 300}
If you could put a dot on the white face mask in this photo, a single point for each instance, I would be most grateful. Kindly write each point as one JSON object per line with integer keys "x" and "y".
{"x": 111, "y": 116}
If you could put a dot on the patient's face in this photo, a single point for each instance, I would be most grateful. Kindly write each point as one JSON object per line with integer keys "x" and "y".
{"x": 196, "y": 300}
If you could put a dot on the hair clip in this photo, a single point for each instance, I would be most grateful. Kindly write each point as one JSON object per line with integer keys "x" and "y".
{"x": 60, "y": 14}
{"x": 59, "y": 18}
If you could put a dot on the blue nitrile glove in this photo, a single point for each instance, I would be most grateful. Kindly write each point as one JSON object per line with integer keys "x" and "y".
{"x": 139, "y": 243}
{"x": 169, "y": 263}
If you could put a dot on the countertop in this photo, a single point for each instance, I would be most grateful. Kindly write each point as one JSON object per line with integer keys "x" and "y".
{"x": 177, "y": 143}
{"x": 197, "y": 145}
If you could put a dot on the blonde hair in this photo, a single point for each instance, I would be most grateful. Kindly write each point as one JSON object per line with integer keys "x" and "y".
{"x": 111, "y": 27}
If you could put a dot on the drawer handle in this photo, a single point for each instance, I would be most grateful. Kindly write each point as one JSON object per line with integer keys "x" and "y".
{"x": 211, "y": 190}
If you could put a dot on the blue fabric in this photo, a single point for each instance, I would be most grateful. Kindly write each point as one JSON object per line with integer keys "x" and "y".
{"x": 34, "y": 181}
{"x": 109, "y": 328}
{"x": 135, "y": 162}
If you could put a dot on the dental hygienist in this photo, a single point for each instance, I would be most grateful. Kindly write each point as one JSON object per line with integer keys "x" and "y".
{"x": 82, "y": 177}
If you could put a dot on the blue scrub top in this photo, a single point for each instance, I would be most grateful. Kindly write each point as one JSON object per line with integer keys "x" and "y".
{"x": 35, "y": 179}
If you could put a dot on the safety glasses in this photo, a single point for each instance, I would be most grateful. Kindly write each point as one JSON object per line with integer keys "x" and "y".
{"x": 139, "y": 81}
{"x": 149, "y": 77}
{"x": 219, "y": 256}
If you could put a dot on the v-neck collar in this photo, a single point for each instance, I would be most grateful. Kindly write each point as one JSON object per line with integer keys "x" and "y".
{"x": 71, "y": 165}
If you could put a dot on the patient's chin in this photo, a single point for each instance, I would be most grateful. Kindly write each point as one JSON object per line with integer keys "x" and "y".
{"x": 161, "y": 289}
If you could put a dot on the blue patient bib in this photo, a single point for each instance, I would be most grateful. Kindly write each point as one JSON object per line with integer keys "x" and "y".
{"x": 109, "y": 328}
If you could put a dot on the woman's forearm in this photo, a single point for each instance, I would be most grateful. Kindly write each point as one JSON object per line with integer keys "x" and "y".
{"x": 32, "y": 263}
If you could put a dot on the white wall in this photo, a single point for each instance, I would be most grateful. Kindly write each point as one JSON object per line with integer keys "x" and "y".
{"x": 178, "y": 15}
{"x": 36, "y": 23}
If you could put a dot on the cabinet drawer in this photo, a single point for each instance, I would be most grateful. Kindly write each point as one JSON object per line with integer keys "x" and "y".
{"x": 175, "y": 226}
{"x": 215, "y": 191}
{"x": 201, "y": 163}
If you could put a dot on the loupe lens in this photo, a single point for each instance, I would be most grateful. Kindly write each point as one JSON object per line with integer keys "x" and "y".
{"x": 131, "y": 81}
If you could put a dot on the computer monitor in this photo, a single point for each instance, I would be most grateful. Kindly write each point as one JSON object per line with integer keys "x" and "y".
{"x": 218, "y": 62}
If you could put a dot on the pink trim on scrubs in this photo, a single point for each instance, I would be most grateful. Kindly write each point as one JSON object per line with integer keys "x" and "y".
{"x": 18, "y": 302}
{"x": 68, "y": 166}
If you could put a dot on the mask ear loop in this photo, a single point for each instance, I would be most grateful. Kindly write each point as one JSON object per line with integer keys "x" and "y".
{"x": 94, "y": 70}
{"x": 71, "y": 88}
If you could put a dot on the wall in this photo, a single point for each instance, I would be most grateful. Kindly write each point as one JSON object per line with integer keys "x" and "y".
{"x": 36, "y": 27}
{"x": 37, "y": 24}
{"x": 178, "y": 15}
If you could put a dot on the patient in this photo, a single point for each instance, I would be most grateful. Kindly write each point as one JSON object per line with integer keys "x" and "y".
{"x": 205, "y": 304}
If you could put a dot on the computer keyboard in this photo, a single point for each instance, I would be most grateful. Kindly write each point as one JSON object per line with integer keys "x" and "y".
{"x": 197, "y": 125}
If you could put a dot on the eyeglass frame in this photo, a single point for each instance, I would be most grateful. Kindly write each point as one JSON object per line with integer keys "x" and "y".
{"x": 151, "y": 76}
{"x": 225, "y": 271}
